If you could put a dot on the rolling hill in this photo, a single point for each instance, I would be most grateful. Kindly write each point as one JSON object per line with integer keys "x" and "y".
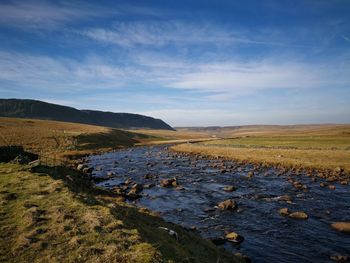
{"x": 35, "y": 109}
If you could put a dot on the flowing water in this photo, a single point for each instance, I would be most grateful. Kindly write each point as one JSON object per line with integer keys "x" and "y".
{"x": 268, "y": 237}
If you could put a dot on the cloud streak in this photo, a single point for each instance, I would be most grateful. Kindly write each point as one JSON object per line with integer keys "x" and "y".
{"x": 36, "y": 14}
{"x": 221, "y": 80}
{"x": 176, "y": 32}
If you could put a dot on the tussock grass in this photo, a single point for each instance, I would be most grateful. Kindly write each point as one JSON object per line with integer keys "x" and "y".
{"x": 54, "y": 215}
{"x": 166, "y": 136}
{"x": 320, "y": 147}
{"x": 61, "y": 139}
{"x": 288, "y": 142}
{"x": 319, "y": 159}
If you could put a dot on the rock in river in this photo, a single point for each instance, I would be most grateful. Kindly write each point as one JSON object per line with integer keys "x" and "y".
{"x": 299, "y": 215}
{"x": 250, "y": 174}
{"x": 228, "y": 204}
{"x": 168, "y": 182}
{"x": 284, "y": 211}
{"x": 229, "y": 188}
{"x": 234, "y": 237}
{"x": 137, "y": 188}
{"x": 339, "y": 258}
{"x": 285, "y": 198}
{"x": 341, "y": 227}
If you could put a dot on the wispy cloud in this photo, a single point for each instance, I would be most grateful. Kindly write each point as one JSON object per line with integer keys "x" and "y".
{"x": 227, "y": 79}
{"x": 60, "y": 74}
{"x": 46, "y": 15}
{"x": 346, "y": 38}
{"x": 217, "y": 80}
{"x": 161, "y": 33}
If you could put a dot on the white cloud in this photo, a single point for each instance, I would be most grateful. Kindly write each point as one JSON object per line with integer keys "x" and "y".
{"x": 44, "y": 14}
{"x": 155, "y": 33}
{"x": 224, "y": 80}
{"x": 221, "y": 80}
{"x": 60, "y": 74}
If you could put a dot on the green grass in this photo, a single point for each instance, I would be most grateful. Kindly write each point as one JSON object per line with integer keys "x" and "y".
{"x": 54, "y": 215}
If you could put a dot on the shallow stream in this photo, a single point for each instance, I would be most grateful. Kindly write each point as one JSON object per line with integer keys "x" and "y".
{"x": 268, "y": 236}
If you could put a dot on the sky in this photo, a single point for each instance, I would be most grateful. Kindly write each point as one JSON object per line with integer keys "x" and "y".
{"x": 190, "y": 63}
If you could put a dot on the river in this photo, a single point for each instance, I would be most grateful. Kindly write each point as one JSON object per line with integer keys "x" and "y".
{"x": 268, "y": 236}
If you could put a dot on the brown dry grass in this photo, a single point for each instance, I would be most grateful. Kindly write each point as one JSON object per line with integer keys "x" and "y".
{"x": 327, "y": 159}
{"x": 54, "y": 215}
{"x": 314, "y": 146}
{"x": 60, "y": 139}
{"x": 167, "y": 134}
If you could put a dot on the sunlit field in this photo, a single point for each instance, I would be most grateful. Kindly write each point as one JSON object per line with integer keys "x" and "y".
{"x": 315, "y": 147}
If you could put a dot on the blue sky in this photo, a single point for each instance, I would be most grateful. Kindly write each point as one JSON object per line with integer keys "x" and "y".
{"x": 191, "y": 63}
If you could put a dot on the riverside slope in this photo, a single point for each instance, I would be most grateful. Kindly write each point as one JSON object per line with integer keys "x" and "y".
{"x": 35, "y": 109}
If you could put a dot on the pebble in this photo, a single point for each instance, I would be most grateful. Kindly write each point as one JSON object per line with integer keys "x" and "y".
{"x": 234, "y": 237}
{"x": 299, "y": 215}
{"x": 229, "y": 188}
{"x": 331, "y": 187}
{"x": 284, "y": 211}
{"x": 227, "y": 205}
{"x": 341, "y": 227}
{"x": 339, "y": 258}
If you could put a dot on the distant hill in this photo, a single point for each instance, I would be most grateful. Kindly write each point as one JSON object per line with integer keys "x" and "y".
{"x": 35, "y": 109}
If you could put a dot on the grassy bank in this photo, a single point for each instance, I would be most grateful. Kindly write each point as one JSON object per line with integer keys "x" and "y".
{"x": 53, "y": 215}
{"x": 323, "y": 148}
{"x": 166, "y": 136}
{"x": 64, "y": 139}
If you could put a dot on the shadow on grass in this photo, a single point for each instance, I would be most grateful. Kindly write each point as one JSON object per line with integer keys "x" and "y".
{"x": 189, "y": 247}
{"x": 111, "y": 139}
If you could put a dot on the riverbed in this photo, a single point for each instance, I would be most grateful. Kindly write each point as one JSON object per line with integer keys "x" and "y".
{"x": 268, "y": 236}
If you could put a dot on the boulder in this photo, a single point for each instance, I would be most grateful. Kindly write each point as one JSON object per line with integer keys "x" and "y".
{"x": 331, "y": 187}
{"x": 81, "y": 166}
{"x": 234, "y": 237}
{"x": 110, "y": 174}
{"x": 229, "y": 188}
{"x": 341, "y": 227}
{"x": 137, "y": 188}
{"x": 299, "y": 215}
{"x": 338, "y": 170}
{"x": 147, "y": 186}
{"x": 284, "y": 211}
{"x": 250, "y": 174}
{"x": 285, "y": 198}
{"x": 339, "y": 258}
{"x": 344, "y": 182}
{"x": 227, "y": 205}
{"x": 168, "y": 182}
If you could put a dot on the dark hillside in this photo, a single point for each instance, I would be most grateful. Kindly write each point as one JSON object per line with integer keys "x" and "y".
{"x": 34, "y": 109}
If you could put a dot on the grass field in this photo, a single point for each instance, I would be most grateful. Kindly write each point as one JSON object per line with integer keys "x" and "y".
{"x": 64, "y": 139}
{"x": 53, "y": 215}
{"x": 319, "y": 146}
{"x": 166, "y": 136}
{"x": 61, "y": 139}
